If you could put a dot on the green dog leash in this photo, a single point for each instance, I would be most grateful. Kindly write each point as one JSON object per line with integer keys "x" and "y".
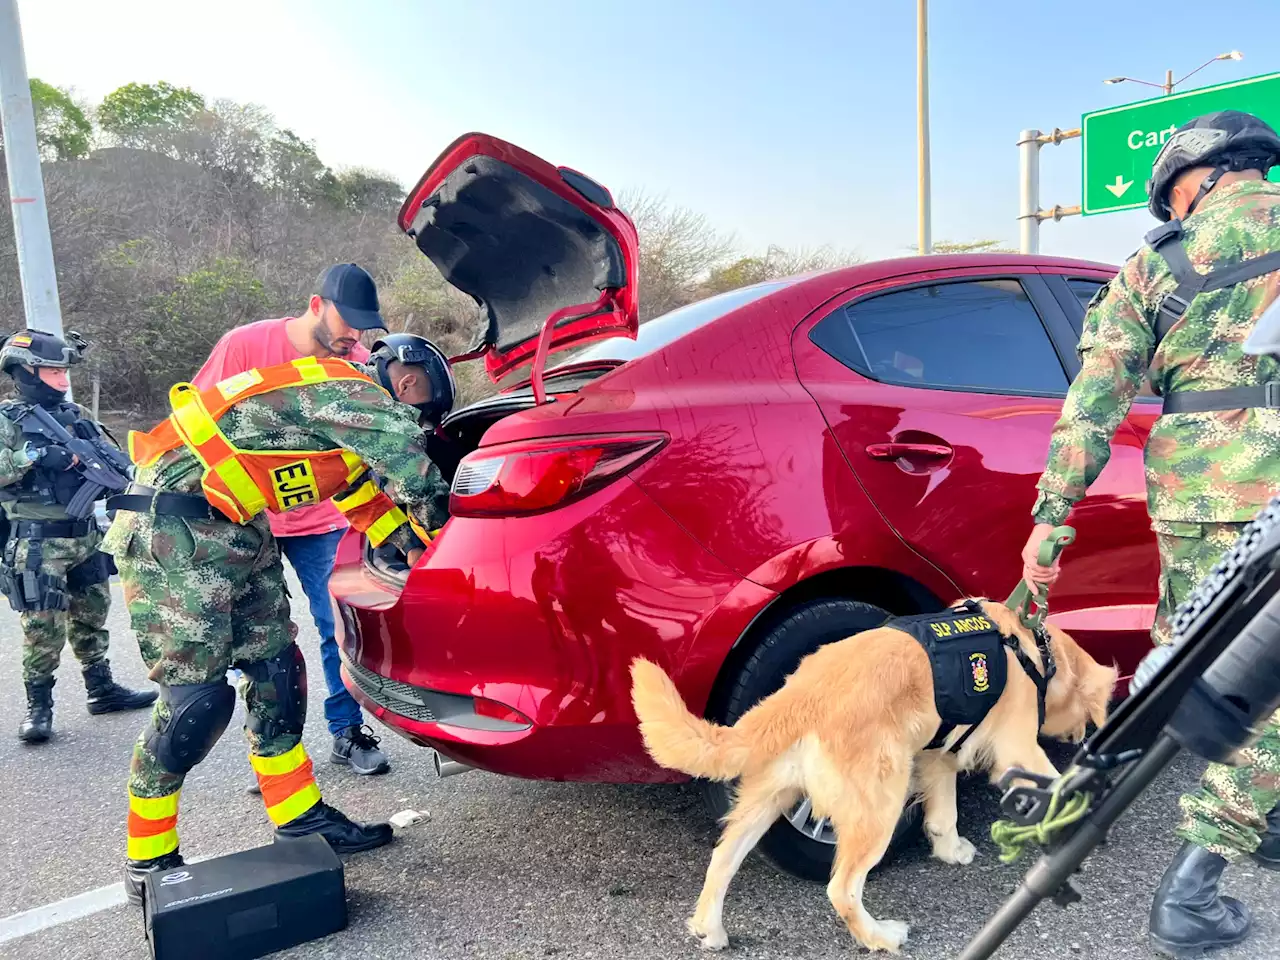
{"x": 1021, "y": 600}
{"x": 1011, "y": 837}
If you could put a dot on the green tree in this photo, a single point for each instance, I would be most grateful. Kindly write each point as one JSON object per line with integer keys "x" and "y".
{"x": 295, "y": 172}
{"x": 147, "y": 115}
{"x": 365, "y": 189}
{"x": 62, "y": 130}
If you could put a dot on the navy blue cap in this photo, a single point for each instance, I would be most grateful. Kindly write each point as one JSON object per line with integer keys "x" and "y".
{"x": 353, "y": 292}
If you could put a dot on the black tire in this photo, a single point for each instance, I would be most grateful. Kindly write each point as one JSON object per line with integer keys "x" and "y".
{"x": 797, "y": 634}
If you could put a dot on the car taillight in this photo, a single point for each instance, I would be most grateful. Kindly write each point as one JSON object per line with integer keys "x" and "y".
{"x": 530, "y": 476}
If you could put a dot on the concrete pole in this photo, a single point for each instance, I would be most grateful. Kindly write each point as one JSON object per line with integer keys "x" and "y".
{"x": 1029, "y": 191}
{"x": 922, "y": 119}
{"x": 26, "y": 187}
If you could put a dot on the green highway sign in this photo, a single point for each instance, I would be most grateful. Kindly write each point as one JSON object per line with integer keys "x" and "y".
{"x": 1121, "y": 143}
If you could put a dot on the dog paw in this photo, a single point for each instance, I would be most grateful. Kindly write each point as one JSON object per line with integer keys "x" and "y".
{"x": 887, "y": 936}
{"x": 954, "y": 849}
{"x": 708, "y": 938}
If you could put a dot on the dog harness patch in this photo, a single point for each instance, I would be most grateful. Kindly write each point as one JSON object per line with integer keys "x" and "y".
{"x": 966, "y": 655}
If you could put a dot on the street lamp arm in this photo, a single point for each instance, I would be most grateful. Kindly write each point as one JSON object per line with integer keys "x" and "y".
{"x": 1196, "y": 70}
{"x": 1132, "y": 80}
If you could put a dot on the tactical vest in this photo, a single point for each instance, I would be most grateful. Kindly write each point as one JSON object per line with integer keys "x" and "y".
{"x": 242, "y": 483}
{"x": 40, "y": 484}
{"x": 1166, "y": 240}
{"x": 970, "y": 670}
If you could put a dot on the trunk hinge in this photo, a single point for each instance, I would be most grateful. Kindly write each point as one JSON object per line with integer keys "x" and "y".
{"x": 548, "y": 331}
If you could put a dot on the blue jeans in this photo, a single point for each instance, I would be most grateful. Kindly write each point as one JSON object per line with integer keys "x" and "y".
{"x": 311, "y": 557}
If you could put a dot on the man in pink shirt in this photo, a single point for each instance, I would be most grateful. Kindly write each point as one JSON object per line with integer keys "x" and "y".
{"x": 344, "y": 304}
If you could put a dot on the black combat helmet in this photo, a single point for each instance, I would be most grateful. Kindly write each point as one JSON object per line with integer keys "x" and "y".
{"x": 36, "y": 348}
{"x": 419, "y": 352}
{"x": 1225, "y": 140}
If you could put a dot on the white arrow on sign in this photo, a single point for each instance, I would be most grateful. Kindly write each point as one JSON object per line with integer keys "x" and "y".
{"x": 1120, "y": 186}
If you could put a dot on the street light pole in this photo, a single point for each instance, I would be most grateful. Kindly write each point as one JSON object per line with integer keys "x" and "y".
{"x": 925, "y": 244}
{"x": 26, "y": 186}
{"x": 1169, "y": 82}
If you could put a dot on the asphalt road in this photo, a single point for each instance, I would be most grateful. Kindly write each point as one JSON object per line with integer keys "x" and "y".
{"x": 514, "y": 869}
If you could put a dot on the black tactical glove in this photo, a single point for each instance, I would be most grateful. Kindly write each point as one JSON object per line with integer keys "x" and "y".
{"x": 56, "y": 458}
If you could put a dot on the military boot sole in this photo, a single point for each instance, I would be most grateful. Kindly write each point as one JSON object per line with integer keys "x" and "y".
{"x": 1184, "y": 951}
{"x": 378, "y": 838}
{"x": 135, "y": 702}
{"x": 35, "y": 736}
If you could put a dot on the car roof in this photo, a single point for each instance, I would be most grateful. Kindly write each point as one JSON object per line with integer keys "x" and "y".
{"x": 842, "y": 278}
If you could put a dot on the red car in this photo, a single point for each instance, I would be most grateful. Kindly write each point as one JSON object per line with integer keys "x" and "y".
{"x": 721, "y": 490}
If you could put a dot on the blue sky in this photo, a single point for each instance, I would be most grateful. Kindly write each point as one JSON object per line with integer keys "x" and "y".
{"x": 784, "y": 122}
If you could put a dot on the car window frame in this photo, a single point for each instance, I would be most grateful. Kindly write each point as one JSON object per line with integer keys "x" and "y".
{"x": 1060, "y": 285}
{"x": 1044, "y": 304}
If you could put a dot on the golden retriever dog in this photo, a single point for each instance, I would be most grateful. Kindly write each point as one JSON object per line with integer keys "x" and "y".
{"x": 849, "y": 728}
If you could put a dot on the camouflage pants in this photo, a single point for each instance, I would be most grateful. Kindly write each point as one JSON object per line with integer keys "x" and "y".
{"x": 46, "y": 632}
{"x": 202, "y": 597}
{"x": 1228, "y": 813}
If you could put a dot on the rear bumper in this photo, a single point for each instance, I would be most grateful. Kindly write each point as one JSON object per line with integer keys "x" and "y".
{"x": 542, "y": 615}
{"x": 535, "y": 753}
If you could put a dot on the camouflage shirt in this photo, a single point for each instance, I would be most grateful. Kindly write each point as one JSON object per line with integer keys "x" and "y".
{"x": 1212, "y": 467}
{"x": 352, "y": 414}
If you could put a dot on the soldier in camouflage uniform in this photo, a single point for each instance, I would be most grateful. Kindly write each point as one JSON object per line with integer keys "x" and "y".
{"x": 203, "y": 578}
{"x": 1178, "y": 313}
{"x": 51, "y": 570}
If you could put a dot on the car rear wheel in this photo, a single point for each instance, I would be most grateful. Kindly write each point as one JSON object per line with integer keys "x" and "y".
{"x": 798, "y": 843}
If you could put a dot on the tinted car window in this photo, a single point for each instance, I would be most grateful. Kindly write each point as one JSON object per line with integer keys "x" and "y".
{"x": 977, "y": 335}
{"x": 1084, "y": 289}
{"x": 660, "y": 331}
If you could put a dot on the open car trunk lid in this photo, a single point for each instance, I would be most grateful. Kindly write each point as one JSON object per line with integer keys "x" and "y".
{"x": 542, "y": 250}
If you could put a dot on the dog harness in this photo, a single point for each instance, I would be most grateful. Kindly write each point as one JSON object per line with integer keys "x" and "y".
{"x": 969, "y": 668}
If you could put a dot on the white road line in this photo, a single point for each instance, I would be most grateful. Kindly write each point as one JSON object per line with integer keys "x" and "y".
{"x": 64, "y": 911}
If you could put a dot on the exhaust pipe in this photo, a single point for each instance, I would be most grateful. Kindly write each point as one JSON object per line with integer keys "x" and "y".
{"x": 448, "y": 768}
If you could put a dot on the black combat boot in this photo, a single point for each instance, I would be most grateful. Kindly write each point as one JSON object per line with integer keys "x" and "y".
{"x": 344, "y": 836}
{"x": 135, "y": 873}
{"x": 1268, "y": 852}
{"x": 107, "y": 696}
{"x": 37, "y": 725}
{"x": 1189, "y": 915}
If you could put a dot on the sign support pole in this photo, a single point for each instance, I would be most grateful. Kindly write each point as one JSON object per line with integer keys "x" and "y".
{"x": 26, "y": 186}
{"x": 1029, "y": 191}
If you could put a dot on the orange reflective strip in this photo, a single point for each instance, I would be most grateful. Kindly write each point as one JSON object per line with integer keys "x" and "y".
{"x": 152, "y": 827}
{"x": 278, "y": 789}
{"x": 142, "y": 827}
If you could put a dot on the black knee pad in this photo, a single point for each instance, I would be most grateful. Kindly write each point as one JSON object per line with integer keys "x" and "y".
{"x": 282, "y": 684}
{"x": 198, "y": 713}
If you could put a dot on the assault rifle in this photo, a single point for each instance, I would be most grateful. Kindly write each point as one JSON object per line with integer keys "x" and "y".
{"x": 102, "y": 466}
{"x": 1222, "y": 679}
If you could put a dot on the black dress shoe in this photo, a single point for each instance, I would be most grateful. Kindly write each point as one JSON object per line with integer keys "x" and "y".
{"x": 135, "y": 873}
{"x": 1268, "y": 852}
{"x": 344, "y": 836}
{"x": 1188, "y": 914}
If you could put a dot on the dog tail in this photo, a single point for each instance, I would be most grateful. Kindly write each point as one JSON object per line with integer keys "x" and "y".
{"x": 677, "y": 738}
